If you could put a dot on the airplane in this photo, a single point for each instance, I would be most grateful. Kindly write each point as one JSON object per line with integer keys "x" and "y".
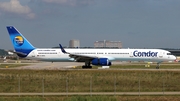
{"x": 101, "y": 57}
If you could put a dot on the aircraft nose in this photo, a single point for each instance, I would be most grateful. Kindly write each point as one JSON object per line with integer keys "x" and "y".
{"x": 175, "y": 58}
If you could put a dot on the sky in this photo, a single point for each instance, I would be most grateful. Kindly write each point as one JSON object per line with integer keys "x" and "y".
{"x": 136, "y": 23}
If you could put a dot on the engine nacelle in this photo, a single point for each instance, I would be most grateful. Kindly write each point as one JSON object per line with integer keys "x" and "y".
{"x": 101, "y": 62}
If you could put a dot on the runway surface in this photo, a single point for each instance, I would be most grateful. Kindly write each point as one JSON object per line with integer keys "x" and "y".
{"x": 95, "y": 93}
{"x": 51, "y": 66}
{"x": 73, "y": 65}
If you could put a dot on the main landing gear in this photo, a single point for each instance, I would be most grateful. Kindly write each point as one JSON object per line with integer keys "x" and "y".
{"x": 87, "y": 65}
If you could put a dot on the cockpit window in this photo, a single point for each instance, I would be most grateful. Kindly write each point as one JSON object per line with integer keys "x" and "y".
{"x": 168, "y": 53}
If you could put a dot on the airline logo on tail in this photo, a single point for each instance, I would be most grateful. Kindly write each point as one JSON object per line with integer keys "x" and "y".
{"x": 18, "y": 40}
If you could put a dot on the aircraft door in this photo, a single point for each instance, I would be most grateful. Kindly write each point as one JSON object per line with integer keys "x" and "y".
{"x": 160, "y": 54}
{"x": 59, "y": 53}
{"x": 33, "y": 54}
{"x": 131, "y": 54}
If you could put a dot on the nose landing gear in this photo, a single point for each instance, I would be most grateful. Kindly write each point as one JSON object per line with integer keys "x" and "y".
{"x": 158, "y": 65}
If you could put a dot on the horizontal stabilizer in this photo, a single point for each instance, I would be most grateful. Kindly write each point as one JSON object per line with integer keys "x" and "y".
{"x": 19, "y": 53}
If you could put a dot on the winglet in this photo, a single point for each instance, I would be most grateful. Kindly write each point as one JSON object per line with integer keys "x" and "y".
{"x": 62, "y": 49}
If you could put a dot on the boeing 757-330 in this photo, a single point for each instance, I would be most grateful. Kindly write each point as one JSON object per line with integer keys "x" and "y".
{"x": 102, "y": 57}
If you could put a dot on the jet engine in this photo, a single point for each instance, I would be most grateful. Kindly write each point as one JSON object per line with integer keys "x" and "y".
{"x": 101, "y": 62}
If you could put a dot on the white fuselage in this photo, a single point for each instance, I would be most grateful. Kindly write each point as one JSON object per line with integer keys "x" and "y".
{"x": 56, "y": 55}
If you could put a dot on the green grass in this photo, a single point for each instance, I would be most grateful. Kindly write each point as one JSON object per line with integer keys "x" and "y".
{"x": 151, "y": 66}
{"x": 79, "y": 81}
{"x": 93, "y": 98}
{"x": 140, "y": 66}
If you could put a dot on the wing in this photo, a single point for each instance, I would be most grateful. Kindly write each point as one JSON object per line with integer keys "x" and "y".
{"x": 81, "y": 58}
{"x": 78, "y": 57}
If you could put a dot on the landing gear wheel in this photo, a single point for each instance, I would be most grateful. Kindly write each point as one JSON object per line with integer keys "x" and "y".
{"x": 158, "y": 64}
{"x": 85, "y": 67}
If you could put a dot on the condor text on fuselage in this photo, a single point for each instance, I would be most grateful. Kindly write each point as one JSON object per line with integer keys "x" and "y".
{"x": 136, "y": 53}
